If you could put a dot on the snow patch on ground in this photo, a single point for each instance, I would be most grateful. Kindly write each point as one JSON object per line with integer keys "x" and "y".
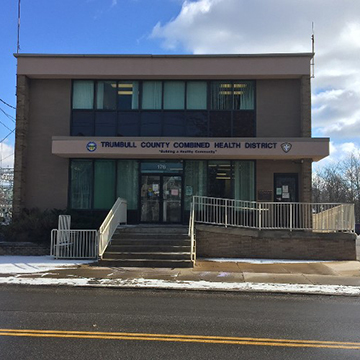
{"x": 190, "y": 285}
{"x": 263, "y": 261}
{"x": 34, "y": 264}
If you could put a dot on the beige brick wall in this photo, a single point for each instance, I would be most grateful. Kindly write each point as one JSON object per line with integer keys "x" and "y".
{"x": 41, "y": 178}
{"x": 47, "y": 174}
{"x": 22, "y": 119}
{"x": 278, "y": 108}
{"x": 240, "y": 243}
{"x": 306, "y": 181}
{"x": 305, "y": 98}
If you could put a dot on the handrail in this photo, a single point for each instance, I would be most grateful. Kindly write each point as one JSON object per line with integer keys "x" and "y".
{"x": 192, "y": 234}
{"x": 317, "y": 217}
{"x": 117, "y": 215}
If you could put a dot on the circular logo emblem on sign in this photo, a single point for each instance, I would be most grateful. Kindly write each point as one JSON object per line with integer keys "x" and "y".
{"x": 91, "y": 146}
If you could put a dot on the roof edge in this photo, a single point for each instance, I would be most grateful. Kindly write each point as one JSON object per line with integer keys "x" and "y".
{"x": 20, "y": 55}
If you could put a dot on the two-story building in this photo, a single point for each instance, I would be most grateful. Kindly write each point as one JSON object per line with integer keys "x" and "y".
{"x": 158, "y": 129}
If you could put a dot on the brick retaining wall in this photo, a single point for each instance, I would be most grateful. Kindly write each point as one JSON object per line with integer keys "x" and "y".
{"x": 23, "y": 249}
{"x": 220, "y": 242}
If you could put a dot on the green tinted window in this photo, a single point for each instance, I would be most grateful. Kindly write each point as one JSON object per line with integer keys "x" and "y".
{"x": 195, "y": 180}
{"x": 174, "y": 95}
{"x": 244, "y": 180}
{"x": 151, "y": 95}
{"x": 128, "y": 182}
{"x": 80, "y": 184}
{"x": 196, "y": 95}
{"x": 83, "y": 94}
{"x": 104, "y": 184}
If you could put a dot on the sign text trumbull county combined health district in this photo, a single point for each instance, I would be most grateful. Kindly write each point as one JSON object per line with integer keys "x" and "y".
{"x": 188, "y": 146}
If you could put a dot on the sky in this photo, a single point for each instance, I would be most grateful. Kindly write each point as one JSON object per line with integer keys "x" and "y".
{"x": 198, "y": 27}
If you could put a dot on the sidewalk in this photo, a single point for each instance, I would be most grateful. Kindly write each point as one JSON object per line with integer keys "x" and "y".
{"x": 240, "y": 275}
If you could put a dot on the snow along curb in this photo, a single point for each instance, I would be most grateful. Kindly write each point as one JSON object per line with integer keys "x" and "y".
{"x": 188, "y": 285}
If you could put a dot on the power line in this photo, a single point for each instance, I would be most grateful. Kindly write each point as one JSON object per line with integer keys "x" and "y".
{"x": 4, "y": 102}
{"x": 7, "y": 157}
{"x": 8, "y": 115}
{"x": 7, "y": 136}
{"x": 4, "y": 125}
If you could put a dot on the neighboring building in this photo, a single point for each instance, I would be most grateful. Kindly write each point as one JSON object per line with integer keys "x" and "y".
{"x": 158, "y": 129}
{"x": 6, "y": 194}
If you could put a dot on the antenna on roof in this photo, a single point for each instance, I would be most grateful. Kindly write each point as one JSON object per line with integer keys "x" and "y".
{"x": 18, "y": 30}
{"x": 312, "y": 62}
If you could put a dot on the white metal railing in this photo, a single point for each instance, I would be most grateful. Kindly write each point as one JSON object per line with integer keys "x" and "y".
{"x": 74, "y": 244}
{"x": 63, "y": 236}
{"x": 319, "y": 217}
{"x": 192, "y": 233}
{"x": 64, "y": 222}
{"x": 69, "y": 243}
{"x": 341, "y": 216}
{"x": 116, "y": 216}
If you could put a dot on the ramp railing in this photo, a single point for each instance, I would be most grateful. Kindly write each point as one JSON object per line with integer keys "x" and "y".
{"x": 317, "y": 217}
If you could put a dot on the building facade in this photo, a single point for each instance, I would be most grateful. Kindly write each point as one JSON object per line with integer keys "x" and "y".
{"x": 157, "y": 130}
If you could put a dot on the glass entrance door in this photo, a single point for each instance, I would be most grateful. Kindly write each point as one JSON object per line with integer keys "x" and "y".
{"x": 150, "y": 198}
{"x": 160, "y": 198}
{"x": 171, "y": 186}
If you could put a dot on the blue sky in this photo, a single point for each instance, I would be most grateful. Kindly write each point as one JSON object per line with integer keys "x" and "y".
{"x": 199, "y": 27}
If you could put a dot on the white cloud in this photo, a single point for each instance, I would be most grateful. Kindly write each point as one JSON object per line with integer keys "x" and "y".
{"x": 6, "y": 155}
{"x": 261, "y": 26}
{"x": 338, "y": 153}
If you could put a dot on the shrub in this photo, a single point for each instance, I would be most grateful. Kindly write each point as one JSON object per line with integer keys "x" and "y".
{"x": 34, "y": 225}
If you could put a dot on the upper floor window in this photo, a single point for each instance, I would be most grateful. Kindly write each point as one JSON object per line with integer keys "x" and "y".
{"x": 105, "y": 95}
{"x": 174, "y": 95}
{"x": 196, "y": 95}
{"x": 151, "y": 95}
{"x": 83, "y": 94}
{"x": 128, "y": 95}
{"x": 163, "y": 108}
{"x": 232, "y": 95}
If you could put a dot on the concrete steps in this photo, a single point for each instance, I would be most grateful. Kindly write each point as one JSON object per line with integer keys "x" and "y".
{"x": 149, "y": 246}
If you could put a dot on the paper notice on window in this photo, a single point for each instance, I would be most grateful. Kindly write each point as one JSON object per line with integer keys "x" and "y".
{"x": 175, "y": 192}
{"x": 285, "y": 188}
{"x": 155, "y": 187}
{"x": 278, "y": 191}
{"x": 286, "y": 195}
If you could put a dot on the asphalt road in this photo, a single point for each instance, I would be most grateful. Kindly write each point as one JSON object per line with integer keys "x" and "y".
{"x": 77, "y": 323}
